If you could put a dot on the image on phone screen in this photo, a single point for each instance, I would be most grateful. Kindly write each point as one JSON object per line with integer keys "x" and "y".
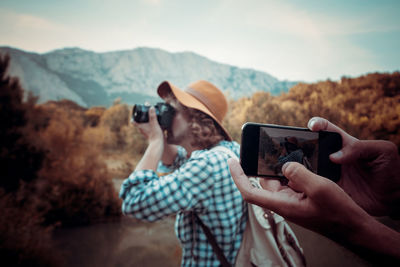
{"x": 278, "y": 146}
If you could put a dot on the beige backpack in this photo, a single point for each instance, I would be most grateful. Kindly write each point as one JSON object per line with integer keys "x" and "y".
{"x": 267, "y": 240}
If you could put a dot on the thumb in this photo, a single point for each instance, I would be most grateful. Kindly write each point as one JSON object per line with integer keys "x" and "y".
{"x": 258, "y": 196}
{"x": 301, "y": 179}
{"x": 152, "y": 115}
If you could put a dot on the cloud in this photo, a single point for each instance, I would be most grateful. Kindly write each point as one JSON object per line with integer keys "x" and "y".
{"x": 32, "y": 32}
{"x": 295, "y": 42}
{"x": 35, "y": 33}
{"x": 270, "y": 16}
{"x": 26, "y": 22}
{"x": 152, "y": 2}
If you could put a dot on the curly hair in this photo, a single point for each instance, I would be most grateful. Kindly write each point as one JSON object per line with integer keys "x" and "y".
{"x": 204, "y": 130}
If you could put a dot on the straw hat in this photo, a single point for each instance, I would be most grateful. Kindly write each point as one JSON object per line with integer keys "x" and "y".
{"x": 200, "y": 95}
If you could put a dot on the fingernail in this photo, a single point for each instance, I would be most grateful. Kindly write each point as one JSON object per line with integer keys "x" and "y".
{"x": 285, "y": 166}
{"x": 311, "y": 123}
{"x": 337, "y": 155}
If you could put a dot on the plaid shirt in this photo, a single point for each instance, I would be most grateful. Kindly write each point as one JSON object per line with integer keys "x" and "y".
{"x": 202, "y": 184}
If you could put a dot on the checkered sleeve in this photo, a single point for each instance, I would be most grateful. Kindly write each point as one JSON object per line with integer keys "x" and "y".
{"x": 179, "y": 160}
{"x": 149, "y": 197}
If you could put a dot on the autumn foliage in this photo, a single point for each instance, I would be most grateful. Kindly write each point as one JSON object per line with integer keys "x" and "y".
{"x": 53, "y": 172}
{"x": 367, "y": 107}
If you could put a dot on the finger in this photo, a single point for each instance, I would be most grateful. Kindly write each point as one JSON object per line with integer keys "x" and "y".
{"x": 136, "y": 125}
{"x": 264, "y": 198}
{"x": 241, "y": 180}
{"x": 301, "y": 179}
{"x": 139, "y": 126}
{"x": 316, "y": 124}
{"x": 365, "y": 150}
{"x": 152, "y": 115}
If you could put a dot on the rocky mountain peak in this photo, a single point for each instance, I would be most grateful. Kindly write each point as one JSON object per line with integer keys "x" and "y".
{"x": 93, "y": 79}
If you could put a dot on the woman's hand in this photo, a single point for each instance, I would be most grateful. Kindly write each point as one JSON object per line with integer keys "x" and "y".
{"x": 151, "y": 130}
{"x": 155, "y": 136}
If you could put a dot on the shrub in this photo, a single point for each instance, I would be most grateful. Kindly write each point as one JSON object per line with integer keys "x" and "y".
{"x": 49, "y": 177}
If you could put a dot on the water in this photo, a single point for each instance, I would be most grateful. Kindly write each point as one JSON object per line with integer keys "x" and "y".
{"x": 128, "y": 242}
{"x": 122, "y": 243}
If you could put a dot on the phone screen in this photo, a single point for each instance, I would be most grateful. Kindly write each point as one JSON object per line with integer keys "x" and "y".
{"x": 266, "y": 147}
{"x": 278, "y": 146}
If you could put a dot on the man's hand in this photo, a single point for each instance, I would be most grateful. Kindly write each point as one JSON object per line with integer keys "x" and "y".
{"x": 370, "y": 170}
{"x": 319, "y": 204}
{"x": 309, "y": 200}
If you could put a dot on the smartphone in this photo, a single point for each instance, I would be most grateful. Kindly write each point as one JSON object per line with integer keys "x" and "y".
{"x": 266, "y": 147}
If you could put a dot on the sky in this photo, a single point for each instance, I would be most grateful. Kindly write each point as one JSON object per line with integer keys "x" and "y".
{"x": 296, "y": 40}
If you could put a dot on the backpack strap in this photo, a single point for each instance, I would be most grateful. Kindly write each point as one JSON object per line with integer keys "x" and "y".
{"x": 211, "y": 239}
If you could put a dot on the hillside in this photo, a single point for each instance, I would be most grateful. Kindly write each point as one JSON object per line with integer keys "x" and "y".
{"x": 97, "y": 79}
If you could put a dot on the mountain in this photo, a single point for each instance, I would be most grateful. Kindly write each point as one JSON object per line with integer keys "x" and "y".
{"x": 93, "y": 79}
